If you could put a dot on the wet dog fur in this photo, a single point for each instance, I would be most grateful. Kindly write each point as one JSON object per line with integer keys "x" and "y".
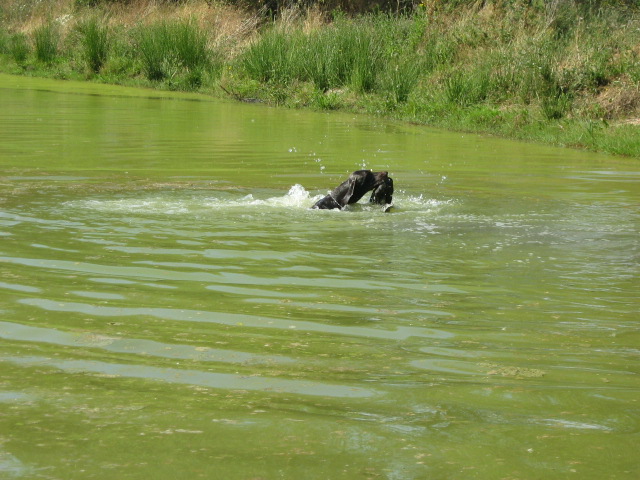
{"x": 356, "y": 186}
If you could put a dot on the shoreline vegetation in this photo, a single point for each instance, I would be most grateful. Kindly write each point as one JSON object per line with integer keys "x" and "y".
{"x": 560, "y": 72}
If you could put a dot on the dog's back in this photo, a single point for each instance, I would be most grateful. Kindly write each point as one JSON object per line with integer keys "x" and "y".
{"x": 354, "y": 188}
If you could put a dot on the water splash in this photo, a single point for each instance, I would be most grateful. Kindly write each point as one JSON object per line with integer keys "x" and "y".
{"x": 422, "y": 202}
{"x": 183, "y": 203}
{"x": 296, "y": 197}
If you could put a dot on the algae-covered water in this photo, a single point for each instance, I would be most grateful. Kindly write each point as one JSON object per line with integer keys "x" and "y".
{"x": 170, "y": 307}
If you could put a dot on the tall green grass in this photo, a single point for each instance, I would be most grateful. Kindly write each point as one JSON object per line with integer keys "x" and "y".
{"x": 46, "y": 38}
{"x": 191, "y": 48}
{"x": 400, "y": 78}
{"x": 19, "y": 48}
{"x": 348, "y": 54}
{"x": 94, "y": 37}
{"x": 169, "y": 48}
{"x": 5, "y": 41}
{"x": 467, "y": 89}
{"x": 157, "y": 51}
{"x": 269, "y": 59}
{"x": 320, "y": 65}
{"x": 545, "y": 61}
{"x": 362, "y": 54}
{"x": 345, "y": 55}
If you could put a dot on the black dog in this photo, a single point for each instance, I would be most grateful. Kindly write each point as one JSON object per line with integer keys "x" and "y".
{"x": 354, "y": 188}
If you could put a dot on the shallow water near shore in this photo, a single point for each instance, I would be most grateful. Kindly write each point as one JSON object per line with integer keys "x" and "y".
{"x": 172, "y": 308}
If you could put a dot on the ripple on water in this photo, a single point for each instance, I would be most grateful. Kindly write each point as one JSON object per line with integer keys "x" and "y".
{"x": 19, "y": 288}
{"x": 196, "y": 377}
{"x": 430, "y": 325}
{"x": 133, "y": 346}
{"x": 198, "y": 276}
{"x": 13, "y": 467}
{"x": 98, "y": 295}
{"x": 235, "y": 319}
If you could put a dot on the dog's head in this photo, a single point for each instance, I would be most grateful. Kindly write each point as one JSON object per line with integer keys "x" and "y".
{"x": 379, "y": 178}
{"x": 383, "y": 192}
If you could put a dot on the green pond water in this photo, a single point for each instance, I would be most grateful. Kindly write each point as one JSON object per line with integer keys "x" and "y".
{"x": 170, "y": 307}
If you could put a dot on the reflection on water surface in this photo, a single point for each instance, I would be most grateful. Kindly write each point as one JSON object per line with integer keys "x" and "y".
{"x": 172, "y": 308}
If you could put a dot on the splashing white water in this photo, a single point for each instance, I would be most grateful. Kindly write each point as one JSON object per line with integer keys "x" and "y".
{"x": 296, "y": 198}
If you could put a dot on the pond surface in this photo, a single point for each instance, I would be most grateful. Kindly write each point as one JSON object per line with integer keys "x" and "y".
{"x": 172, "y": 308}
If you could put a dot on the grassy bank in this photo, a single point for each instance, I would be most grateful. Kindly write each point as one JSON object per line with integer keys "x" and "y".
{"x": 565, "y": 73}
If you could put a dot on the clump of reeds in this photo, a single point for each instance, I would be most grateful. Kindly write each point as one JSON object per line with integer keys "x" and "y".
{"x": 400, "y": 78}
{"x": 4, "y": 41}
{"x": 46, "y": 38}
{"x": 270, "y": 58}
{"x": 352, "y": 56}
{"x": 348, "y": 54}
{"x": 156, "y": 50}
{"x": 19, "y": 48}
{"x": 168, "y": 48}
{"x": 191, "y": 46}
{"x": 466, "y": 89}
{"x": 94, "y": 38}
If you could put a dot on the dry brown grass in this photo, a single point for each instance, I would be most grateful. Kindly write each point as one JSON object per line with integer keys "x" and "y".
{"x": 621, "y": 99}
{"x": 296, "y": 18}
{"x": 227, "y": 26}
{"x": 25, "y": 16}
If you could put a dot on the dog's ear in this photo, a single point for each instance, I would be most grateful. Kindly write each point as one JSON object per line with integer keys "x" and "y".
{"x": 353, "y": 180}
